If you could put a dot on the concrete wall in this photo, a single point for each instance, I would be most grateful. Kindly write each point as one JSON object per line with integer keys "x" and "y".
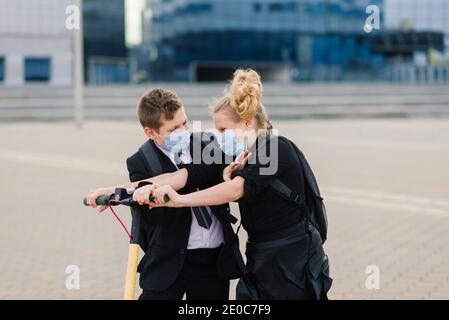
{"x": 35, "y": 28}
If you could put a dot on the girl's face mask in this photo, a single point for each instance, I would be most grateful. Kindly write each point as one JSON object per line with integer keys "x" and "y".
{"x": 229, "y": 143}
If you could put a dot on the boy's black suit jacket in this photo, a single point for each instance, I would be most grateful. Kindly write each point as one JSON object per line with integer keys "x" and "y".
{"x": 166, "y": 230}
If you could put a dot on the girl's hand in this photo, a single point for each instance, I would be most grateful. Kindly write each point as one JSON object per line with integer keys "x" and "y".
{"x": 159, "y": 195}
{"x": 237, "y": 165}
{"x": 142, "y": 194}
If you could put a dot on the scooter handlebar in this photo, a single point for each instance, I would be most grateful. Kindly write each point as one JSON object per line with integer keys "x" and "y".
{"x": 104, "y": 200}
{"x": 166, "y": 198}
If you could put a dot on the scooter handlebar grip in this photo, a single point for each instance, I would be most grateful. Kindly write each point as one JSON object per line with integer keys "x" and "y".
{"x": 102, "y": 200}
{"x": 166, "y": 198}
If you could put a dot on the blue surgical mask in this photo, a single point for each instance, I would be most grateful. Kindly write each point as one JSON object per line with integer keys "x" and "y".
{"x": 229, "y": 143}
{"x": 177, "y": 141}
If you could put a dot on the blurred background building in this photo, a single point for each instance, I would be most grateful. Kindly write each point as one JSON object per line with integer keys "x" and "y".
{"x": 319, "y": 40}
{"x": 105, "y": 51}
{"x": 283, "y": 39}
{"x": 422, "y": 15}
{"x": 204, "y": 40}
{"x": 35, "y": 46}
{"x": 416, "y": 40}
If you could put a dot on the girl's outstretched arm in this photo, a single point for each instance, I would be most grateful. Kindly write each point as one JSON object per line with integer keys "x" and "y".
{"x": 177, "y": 180}
{"x": 219, "y": 194}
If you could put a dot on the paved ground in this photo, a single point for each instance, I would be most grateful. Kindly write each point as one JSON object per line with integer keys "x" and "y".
{"x": 385, "y": 183}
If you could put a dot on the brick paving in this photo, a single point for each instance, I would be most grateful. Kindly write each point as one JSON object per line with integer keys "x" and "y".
{"x": 385, "y": 181}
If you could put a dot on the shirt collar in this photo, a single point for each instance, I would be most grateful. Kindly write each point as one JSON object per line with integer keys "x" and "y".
{"x": 170, "y": 154}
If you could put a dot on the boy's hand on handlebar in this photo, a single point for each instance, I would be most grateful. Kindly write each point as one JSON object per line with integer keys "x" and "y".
{"x": 96, "y": 193}
{"x": 237, "y": 165}
{"x": 102, "y": 208}
{"x": 142, "y": 194}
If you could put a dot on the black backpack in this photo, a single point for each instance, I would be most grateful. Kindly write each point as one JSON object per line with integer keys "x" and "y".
{"x": 140, "y": 232}
{"x": 312, "y": 199}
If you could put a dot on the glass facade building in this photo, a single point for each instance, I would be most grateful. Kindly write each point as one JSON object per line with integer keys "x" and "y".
{"x": 419, "y": 15}
{"x": 104, "y": 41}
{"x": 423, "y": 24}
{"x": 2, "y": 69}
{"x": 313, "y": 39}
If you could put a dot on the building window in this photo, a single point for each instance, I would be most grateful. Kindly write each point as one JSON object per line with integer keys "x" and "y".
{"x": 194, "y": 8}
{"x": 257, "y": 7}
{"x": 282, "y": 7}
{"x": 37, "y": 69}
{"x": 2, "y": 69}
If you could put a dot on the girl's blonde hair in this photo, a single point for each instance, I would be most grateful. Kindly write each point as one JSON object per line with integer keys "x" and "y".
{"x": 242, "y": 99}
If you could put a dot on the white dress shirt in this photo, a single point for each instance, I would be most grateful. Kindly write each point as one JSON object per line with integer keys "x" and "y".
{"x": 199, "y": 237}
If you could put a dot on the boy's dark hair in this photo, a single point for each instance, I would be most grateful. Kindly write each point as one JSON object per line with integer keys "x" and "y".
{"x": 157, "y": 105}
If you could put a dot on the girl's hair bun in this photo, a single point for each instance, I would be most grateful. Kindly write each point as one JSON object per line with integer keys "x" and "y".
{"x": 245, "y": 93}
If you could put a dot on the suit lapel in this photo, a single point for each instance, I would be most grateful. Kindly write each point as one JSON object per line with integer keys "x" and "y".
{"x": 167, "y": 165}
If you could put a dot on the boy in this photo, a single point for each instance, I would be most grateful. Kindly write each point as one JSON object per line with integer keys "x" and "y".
{"x": 187, "y": 250}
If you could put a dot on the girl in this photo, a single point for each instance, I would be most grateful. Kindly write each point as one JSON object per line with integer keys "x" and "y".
{"x": 285, "y": 256}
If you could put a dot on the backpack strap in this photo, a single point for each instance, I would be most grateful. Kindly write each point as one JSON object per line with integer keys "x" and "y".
{"x": 149, "y": 152}
{"x": 281, "y": 188}
{"x": 148, "y": 149}
{"x": 287, "y": 193}
{"x": 238, "y": 255}
{"x": 293, "y": 196}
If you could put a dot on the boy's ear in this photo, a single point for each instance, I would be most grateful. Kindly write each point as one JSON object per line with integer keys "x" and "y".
{"x": 150, "y": 133}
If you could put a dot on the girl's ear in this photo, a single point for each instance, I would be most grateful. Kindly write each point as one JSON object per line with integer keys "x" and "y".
{"x": 250, "y": 122}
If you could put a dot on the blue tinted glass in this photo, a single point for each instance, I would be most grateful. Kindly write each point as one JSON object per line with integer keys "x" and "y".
{"x": 334, "y": 8}
{"x": 37, "y": 69}
{"x": 332, "y": 29}
{"x": 315, "y": 8}
{"x": 111, "y": 73}
{"x": 2, "y": 69}
{"x": 282, "y": 7}
{"x": 194, "y": 8}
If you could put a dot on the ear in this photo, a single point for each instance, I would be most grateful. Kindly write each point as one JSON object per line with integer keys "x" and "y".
{"x": 250, "y": 122}
{"x": 150, "y": 133}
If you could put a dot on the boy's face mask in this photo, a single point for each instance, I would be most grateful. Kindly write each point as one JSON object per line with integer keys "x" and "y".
{"x": 229, "y": 143}
{"x": 177, "y": 141}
